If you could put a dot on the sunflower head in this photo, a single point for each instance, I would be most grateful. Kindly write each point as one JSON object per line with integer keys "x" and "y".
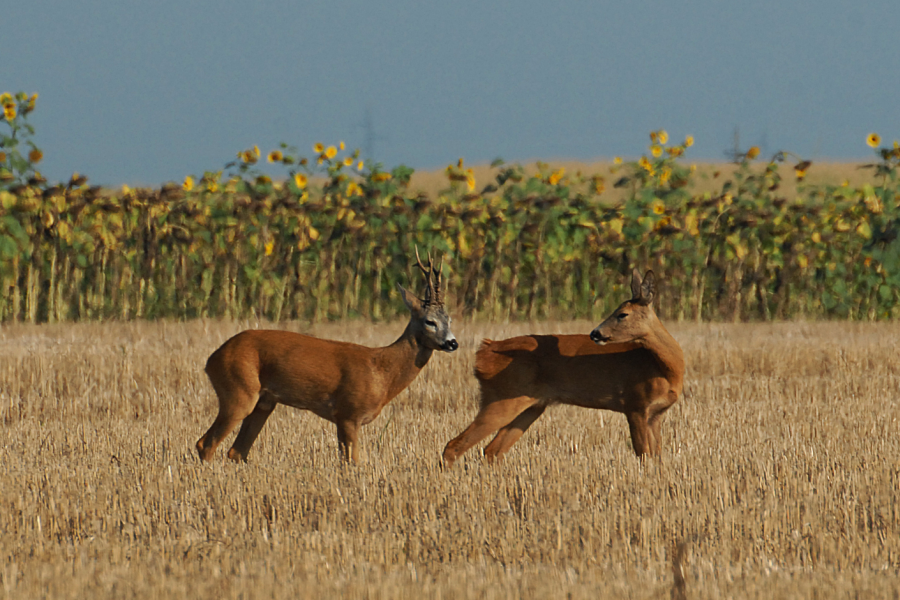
{"x": 873, "y": 140}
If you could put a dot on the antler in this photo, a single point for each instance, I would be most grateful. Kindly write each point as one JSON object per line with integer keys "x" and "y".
{"x": 433, "y": 277}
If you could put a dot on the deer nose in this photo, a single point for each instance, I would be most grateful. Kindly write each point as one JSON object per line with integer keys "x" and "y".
{"x": 598, "y": 337}
{"x": 450, "y": 345}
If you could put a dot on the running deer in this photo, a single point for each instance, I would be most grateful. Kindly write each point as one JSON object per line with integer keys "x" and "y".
{"x": 341, "y": 382}
{"x": 628, "y": 364}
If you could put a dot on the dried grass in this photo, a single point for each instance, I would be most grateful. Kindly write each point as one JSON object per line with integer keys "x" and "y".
{"x": 780, "y": 477}
{"x": 709, "y": 177}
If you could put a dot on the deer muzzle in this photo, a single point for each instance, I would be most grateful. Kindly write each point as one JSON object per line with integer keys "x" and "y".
{"x": 598, "y": 337}
{"x": 450, "y": 345}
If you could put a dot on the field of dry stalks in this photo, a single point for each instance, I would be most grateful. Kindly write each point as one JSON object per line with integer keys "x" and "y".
{"x": 779, "y": 477}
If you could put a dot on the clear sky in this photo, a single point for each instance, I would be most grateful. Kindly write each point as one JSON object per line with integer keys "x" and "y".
{"x": 143, "y": 92}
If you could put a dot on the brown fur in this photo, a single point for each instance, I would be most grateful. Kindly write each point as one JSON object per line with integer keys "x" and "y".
{"x": 344, "y": 383}
{"x": 634, "y": 367}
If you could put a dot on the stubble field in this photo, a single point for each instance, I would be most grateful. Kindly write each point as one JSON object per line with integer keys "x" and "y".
{"x": 779, "y": 477}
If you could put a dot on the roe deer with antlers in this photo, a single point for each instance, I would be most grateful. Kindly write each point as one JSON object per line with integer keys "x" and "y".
{"x": 344, "y": 383}
{"x": 628, "y": 364}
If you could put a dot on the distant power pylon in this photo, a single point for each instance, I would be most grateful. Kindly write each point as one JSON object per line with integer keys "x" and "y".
{"x": 734, "y": 153}
{"x": 370, "y": 135}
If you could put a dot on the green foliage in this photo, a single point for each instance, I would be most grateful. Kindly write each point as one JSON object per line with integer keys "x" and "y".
{"x": 17, "y": 168}
{"x": 332, "y": 238}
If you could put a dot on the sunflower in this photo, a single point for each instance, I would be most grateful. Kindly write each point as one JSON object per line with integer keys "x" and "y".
{"x": 556, "y": 176}
{"x": 617, "y": 160}
{"x": 873, "y": 140}
{"x": 9, "y": 111}
{"x": 31, "y": 102}
{"x": 656, "y": 150}
{"x": 348, "y": 161}
{"x": 188, "y": 184}
{"x": 6, "y": 98}
{"x": 753, "y": 152}
{"x": 330, "y": 152}
{"x": 341, "y": 145}
{"x": 662, "y": 136}
{"x": 360, "y": 166}
{"x": 300, "y": 180}
{"x": 318, "y": 148}
{"x": 689, "y": 141}
{"x": 275, "y": 156}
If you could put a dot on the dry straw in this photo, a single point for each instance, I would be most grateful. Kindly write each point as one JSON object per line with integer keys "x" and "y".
{"x": 778, "y": 479}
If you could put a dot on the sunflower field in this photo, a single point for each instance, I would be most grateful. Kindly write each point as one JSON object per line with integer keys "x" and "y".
{"x": 331, "y": 235}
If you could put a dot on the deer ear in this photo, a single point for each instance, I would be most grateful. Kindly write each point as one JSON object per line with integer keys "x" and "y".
{"x": 411, "y": 300}
{"x": 648, "y": 288}
{"x": 635, "y": 284}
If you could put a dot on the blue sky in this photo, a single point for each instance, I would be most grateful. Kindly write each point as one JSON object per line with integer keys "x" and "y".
{"x": 147, "y": 92}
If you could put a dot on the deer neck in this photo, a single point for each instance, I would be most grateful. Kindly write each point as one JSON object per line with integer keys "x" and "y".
{"x": 402, "y": 361}
{"x": 667, "y": 352}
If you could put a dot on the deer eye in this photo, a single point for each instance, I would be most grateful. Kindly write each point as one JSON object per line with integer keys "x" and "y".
{"x": 622, "y": 316}
{"x": 431, "y": 324}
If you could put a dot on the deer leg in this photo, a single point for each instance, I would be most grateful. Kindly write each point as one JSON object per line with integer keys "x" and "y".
{"x": 655, "y": 426}
{"x": 225, "y": 422}
{"x": 491, "y": 417}
{"x": 238, "y": 393}
{"x": 249, "y": 431}
{"x": 641, "y": 434}
{"x": 347, "y": 433}
{"x": 510, "y": 434}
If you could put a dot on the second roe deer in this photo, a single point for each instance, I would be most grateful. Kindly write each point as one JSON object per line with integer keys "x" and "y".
{"x": 344, "y": 383}
{"x": 628, "y": 364}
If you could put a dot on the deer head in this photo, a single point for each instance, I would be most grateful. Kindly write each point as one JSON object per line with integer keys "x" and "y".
{"x": 430, "y": 322}
{"x": 634, "y": 318}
